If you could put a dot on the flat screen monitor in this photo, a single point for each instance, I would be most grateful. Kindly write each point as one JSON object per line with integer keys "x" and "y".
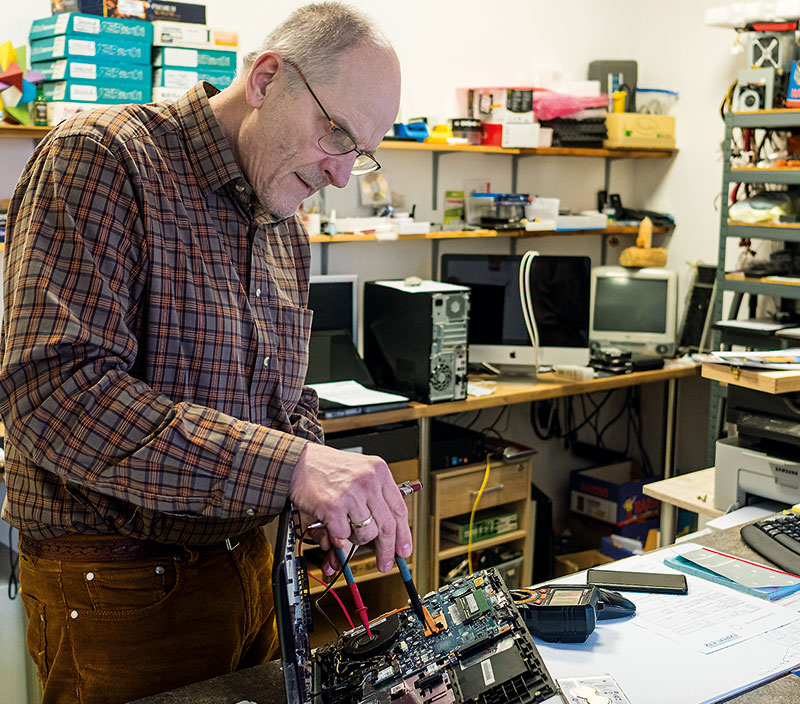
{"x": 634, "y": 309}
{"x": 334, "y": 300}
{"x": 497, "y": 332}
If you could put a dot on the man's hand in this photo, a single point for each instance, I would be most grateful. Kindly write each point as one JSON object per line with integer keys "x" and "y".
{"x": 357, "y": 499}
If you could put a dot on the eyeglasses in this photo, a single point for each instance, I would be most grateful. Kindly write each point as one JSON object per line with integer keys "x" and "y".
{"x": 338, "y": 141}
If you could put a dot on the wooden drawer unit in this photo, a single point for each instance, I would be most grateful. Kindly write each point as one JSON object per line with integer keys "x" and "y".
{"x": 456, "y": 489}
{"x": 454, "y": 494}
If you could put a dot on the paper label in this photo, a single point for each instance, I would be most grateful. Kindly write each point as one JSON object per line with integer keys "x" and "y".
{"x": 181, "y": 57}
{"x": 180, "y": 79}
{"x": 85, "y": 94}
{"x": 488, "y": 672}
{"x": 89, "y": 25}
{"x": 61, "y": 24}
{"x": 77, "y": 70}
{"x": 58, "y": 46}
{"x": 58, "y": 70}
{"x": 59, "y": 91}
{"x": 82, "y": 47}
{"x": 131, "y": 7}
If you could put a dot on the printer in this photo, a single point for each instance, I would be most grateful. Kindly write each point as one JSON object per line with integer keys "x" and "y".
{"x": 763, "y": 459}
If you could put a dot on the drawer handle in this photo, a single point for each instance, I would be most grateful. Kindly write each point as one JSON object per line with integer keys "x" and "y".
{"x": 499, "y": 487}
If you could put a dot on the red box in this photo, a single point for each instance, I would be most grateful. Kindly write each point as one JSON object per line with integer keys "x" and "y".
{"x": 492, "y": 134}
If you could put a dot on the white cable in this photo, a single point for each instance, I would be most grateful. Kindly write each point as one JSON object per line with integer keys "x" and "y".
{"x": 525, "y": 268}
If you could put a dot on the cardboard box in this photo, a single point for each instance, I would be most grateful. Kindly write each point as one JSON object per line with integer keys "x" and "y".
{"x": 91, "y": 70}
{"x": 175, "y": 57}
{"x": 198, "y": 36}
{"x": 64, "y": 46}
{"x": 578, "y": 561}
{"x": 487, "y": 524}
{"x": 149, "y": 10}
{"x": 105, "y": 93}
{"x": 58, "y": 112}
{"x": 88, "y": 26}
{"x": 186, "y": 78}
{"x": 612, "y": 493}
{"x": 635, "y": 130}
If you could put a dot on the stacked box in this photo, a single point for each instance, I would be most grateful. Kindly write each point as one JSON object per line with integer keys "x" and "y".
{"x": 149, "y": 10}
{"x": 487, "y": 524}
{"x": 185, "y": 54}
{"x": 92, "y": 60}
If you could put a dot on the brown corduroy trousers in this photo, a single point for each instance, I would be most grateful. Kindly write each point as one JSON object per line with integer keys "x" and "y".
{"x": 108, "y": 632}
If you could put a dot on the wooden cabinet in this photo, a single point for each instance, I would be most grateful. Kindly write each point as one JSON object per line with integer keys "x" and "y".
{"x": 454, "y": 493}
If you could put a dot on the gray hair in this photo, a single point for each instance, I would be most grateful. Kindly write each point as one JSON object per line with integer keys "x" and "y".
{"x": 316, "y": 36}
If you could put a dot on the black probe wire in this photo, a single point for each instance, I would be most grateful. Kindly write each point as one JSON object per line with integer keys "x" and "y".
{"x": 330, "y": 586}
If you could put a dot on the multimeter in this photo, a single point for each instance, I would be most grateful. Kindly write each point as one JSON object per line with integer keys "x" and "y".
{"x": 568, "y": 613}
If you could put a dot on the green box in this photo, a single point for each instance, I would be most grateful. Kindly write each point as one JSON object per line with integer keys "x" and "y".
{"x": 92, "y": 70}
{"x": 488, "y": 523}
{"x": 214, "y": 59}
{"x": 102, "y": 49}
{"x": 102, "y": 93}
{"x": 89, "y": 26}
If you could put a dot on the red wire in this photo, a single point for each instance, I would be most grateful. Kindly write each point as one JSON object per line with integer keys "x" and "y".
{"x": 335, "y": 596}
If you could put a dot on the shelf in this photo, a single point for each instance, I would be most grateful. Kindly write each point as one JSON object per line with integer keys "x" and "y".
{"x": 474, "y": 234}
{"x": 18, "y": 131}
{"x": 766, "y": 286}
{"x": 786, "y": 232}
{"x": 765, "y": 118}
{"x": 752, "y": 174}
{"x": 527, "y": 151}
{"x": 449, "y": 549}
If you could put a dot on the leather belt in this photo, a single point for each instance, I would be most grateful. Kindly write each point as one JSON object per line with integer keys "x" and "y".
{"x": 71, "y": 548}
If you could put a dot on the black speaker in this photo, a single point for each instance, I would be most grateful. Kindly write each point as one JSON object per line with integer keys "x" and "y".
{"x": 695, "y": 331}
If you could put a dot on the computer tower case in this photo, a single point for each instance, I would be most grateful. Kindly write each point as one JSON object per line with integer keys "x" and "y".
{"x": 415, "y": 338}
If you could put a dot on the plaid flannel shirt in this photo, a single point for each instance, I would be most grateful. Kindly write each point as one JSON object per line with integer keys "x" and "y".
{"x": 154, "y": 341}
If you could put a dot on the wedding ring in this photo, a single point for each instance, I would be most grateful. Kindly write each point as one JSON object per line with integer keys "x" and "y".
{"x": 361, "y": 524}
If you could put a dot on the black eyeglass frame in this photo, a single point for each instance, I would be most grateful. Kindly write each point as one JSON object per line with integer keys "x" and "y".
{"x": 370, "y": 167}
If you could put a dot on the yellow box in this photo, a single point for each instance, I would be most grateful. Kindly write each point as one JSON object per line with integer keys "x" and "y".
{"x": 636, "y": 130}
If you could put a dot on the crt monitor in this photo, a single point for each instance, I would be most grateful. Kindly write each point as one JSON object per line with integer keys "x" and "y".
{"x": 334, "y": 300}
{"x": 497, "y": 332}
{"x": 634, "y": 309}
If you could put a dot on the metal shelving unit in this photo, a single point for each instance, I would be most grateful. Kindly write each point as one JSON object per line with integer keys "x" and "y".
{"x": 738, "y": 284}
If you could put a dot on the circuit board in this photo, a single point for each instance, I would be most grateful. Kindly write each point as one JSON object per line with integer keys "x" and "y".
{"x": 479, "y": 651}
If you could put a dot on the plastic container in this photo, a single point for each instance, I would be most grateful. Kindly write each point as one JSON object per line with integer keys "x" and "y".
{"x": 467, "y": 128}
{"x": 655, "y": 101}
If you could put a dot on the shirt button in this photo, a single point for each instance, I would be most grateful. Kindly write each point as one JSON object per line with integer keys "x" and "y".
{"x": 258, "y": 292}
{"x": 266, "y": 361}
{"x": 250, "y": 511}
{"x": 240, "y": 187}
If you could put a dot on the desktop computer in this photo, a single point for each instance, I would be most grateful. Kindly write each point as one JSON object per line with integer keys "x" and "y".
{"x": 415, "y": 338}
{"x": 497, "y": 332}
{"x": 634, "y": 310}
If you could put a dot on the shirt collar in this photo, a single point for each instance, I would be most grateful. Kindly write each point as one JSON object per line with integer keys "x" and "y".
{"x": 209, "y": 153}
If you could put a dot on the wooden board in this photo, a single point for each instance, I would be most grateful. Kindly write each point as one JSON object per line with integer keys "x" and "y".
{"x": 776, "y": 382}
{"x": 693, "y": 491}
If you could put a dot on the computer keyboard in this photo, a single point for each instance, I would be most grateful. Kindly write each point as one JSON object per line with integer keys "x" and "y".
{"x": 777, "y": 539}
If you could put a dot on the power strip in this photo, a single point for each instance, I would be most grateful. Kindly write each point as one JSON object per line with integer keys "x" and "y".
{"x": 573, "y": 372}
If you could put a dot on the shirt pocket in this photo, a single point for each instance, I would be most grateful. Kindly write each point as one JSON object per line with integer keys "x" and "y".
{"x": 293, "y": 327}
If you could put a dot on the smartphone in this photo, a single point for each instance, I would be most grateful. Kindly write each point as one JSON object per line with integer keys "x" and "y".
{"x": 638, "y": 581}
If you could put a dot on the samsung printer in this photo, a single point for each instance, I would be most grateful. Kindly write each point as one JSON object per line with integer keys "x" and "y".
{"x": 763, "y": 459}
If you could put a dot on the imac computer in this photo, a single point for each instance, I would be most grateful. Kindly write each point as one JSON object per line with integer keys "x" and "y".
{"x": 634, "y": 309}
{"x": 497, "y": 332}
{"x": 334, "y": 300}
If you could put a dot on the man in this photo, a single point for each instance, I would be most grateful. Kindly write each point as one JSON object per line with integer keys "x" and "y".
{"x": 153, "y": 356}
